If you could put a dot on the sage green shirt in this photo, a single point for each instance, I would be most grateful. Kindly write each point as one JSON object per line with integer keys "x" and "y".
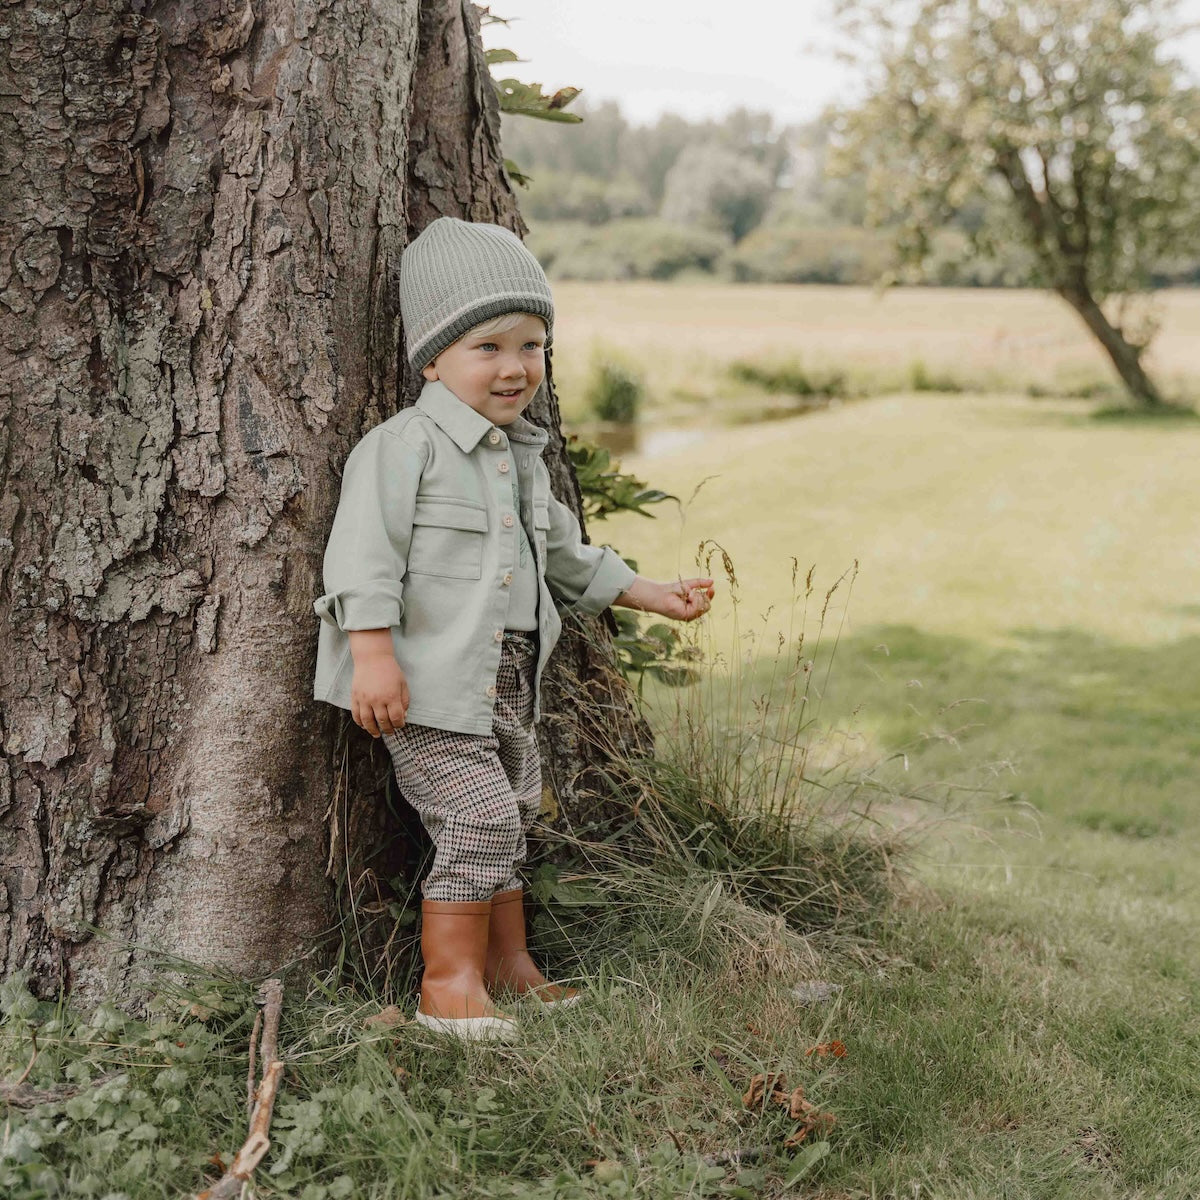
{"x": 424, "y": 543}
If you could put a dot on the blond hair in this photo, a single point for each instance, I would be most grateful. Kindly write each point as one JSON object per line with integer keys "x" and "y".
{"x": 501, "y": 324}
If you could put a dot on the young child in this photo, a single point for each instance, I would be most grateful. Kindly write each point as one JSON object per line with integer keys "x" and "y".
{"x": 445, "y": 558}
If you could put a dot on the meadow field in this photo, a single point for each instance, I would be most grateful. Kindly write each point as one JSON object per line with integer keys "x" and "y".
{"x": 1024, "y": 626}
{"x": 682, "y": 337}
{"x": 908, "y": 905}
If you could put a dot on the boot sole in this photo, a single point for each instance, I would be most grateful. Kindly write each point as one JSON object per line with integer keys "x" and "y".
{"x": 469, "y": 1029}
{"x": 529, "y": 998}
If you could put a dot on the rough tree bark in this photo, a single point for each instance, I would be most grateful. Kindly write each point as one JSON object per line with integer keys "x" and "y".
{"x": 205, "y": 204}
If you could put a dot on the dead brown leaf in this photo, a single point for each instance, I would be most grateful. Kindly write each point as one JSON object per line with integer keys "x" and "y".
{"x": 386, "y": 1018}
{"x": 765, "y": 1088}
{"x": 772, "y": 1089}
{"x": 814, "y": 1122}
{"x": 827, "y": 1050}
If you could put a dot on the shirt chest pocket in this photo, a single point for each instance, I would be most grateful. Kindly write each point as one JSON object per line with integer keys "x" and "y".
{"x": 447, "y": 539}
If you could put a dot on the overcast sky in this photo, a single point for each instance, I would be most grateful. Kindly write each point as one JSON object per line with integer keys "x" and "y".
{"x": 698, "y": 58}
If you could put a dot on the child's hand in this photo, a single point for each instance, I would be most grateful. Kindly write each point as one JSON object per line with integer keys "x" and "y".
{"x": 681, "y": 600}
{"x": 379, "y": 689}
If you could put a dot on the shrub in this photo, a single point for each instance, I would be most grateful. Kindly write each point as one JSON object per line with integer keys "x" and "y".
{"x": 789, "y": 378}
{"x": 614, "y": 392}
{"x": 811, "y": 254}
{"x": 635, "y": 248}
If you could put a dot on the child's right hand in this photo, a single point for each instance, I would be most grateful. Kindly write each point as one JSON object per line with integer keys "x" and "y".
{"x": 379, "y": 689}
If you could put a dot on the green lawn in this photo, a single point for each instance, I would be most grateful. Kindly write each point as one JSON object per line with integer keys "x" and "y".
{"x": 1024, "y": 627}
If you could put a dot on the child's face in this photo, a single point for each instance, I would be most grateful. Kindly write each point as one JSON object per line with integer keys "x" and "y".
{"x": 496, "y": 374}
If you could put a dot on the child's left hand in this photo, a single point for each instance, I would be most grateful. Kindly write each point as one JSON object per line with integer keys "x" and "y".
{"x": 681, "y": 600}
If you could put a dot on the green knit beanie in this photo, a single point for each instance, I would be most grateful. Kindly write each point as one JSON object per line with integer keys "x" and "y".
{"x": 456, "y": 274}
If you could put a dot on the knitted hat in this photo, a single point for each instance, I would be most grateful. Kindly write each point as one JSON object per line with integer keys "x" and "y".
{"x": 456, "y": 274}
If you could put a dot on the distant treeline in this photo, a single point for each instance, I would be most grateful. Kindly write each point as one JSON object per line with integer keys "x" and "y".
{"x": 737, "y": 198}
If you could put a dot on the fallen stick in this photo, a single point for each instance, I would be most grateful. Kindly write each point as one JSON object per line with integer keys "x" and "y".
{"x": 250, "y": 1072}
{"x": 21, "y": 1095}
{"x": 272, "y": 993}
{"x": 257, "y": 1143}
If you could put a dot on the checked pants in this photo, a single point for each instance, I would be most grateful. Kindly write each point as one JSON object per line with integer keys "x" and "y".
{"x": 476, "y": 794}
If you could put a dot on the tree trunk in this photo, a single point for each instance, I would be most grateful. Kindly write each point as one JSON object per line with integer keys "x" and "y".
{"x": 1125, "y": 357}
{"x": 206, "y": 204}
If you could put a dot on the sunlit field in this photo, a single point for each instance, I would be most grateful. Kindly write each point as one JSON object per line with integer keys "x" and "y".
{"x": 683, "y": 336}
{"x": 970, "y": 515}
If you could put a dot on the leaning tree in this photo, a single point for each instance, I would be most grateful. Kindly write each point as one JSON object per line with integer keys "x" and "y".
{"x": 205, "y": 205}
{"x": 1070, "y": 123}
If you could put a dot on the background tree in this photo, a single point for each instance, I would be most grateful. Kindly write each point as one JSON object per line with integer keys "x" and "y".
{"x": 718, "y": 188}
{"x": 607, "y": 148}
{"x": 205, "y": 206}
{"x": 1067, "y": 119}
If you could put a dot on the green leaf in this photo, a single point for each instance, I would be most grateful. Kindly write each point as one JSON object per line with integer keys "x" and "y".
{"x": 501, "y": 56}
{"x": 575, "y": 895}
{"x": 528, "y": 99}
{"x": 804, "y": 1162}
{"x": 516, "y": 174}
{"x": 543, "y": 881}
{"x": 16, "y": 1000}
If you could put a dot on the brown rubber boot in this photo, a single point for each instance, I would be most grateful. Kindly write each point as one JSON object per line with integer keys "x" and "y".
{"x": 508, "y": 964}
{"x": 454, "y": 940}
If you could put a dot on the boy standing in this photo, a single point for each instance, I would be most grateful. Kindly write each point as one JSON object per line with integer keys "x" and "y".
{"x": 446, "y": 554}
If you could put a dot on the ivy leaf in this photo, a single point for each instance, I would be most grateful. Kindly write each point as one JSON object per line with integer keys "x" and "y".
{"x": 528, "y": 99}
{"x": 502, "y": 56}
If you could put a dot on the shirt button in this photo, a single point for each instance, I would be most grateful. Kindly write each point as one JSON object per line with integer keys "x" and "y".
{"x": 499, "y": 635}
{"x": 491, "y": 692}
{"x": 508, "y": 521}
{"x": 507, "y": 579}
{"x": 493, "y": 438}
{"x": 503, "y": 467}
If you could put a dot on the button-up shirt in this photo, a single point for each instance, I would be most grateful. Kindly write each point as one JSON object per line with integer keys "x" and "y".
{"x": 423, "y": 544}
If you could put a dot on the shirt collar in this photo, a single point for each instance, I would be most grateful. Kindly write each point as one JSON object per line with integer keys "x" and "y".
{"x": 465, "y": 427}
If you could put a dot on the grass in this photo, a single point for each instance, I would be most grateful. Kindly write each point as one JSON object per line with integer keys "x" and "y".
{"x": 1025, "y": 1022}
{"x": 1023, "y": 629}
{"x": 973, "y": 515}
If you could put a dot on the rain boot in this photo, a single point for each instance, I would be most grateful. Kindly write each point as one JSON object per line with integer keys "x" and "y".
{"x": 508, "y": 964}
{"x": 453, "y": 999}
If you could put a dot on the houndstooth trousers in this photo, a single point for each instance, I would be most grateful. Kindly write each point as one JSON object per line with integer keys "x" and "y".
{"x": 477, "y": 795}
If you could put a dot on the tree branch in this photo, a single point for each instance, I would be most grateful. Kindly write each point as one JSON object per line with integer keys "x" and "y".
{"x": 257, "y": 1142}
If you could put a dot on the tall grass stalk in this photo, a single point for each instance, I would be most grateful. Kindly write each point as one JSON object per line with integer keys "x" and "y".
{"x": 747, "y": 792}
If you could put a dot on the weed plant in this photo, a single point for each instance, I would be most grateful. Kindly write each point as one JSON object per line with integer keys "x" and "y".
{"x": 790, "y": 378}
{"x": 614, "y": 392}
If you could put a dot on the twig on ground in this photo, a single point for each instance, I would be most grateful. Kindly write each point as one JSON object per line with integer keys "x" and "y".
{"x": 253, "y": 1063}
{"x": 20, "y": 1095}
{"x": 272, "y": 994}
{"x": 257, "y": 1142}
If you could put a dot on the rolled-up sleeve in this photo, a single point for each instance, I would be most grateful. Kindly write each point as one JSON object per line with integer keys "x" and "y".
{"x": 367, "y": 552}
{"x": 588, "y": 577}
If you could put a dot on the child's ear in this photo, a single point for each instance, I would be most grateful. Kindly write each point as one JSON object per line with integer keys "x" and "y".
{"x": 430, "y": 372}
